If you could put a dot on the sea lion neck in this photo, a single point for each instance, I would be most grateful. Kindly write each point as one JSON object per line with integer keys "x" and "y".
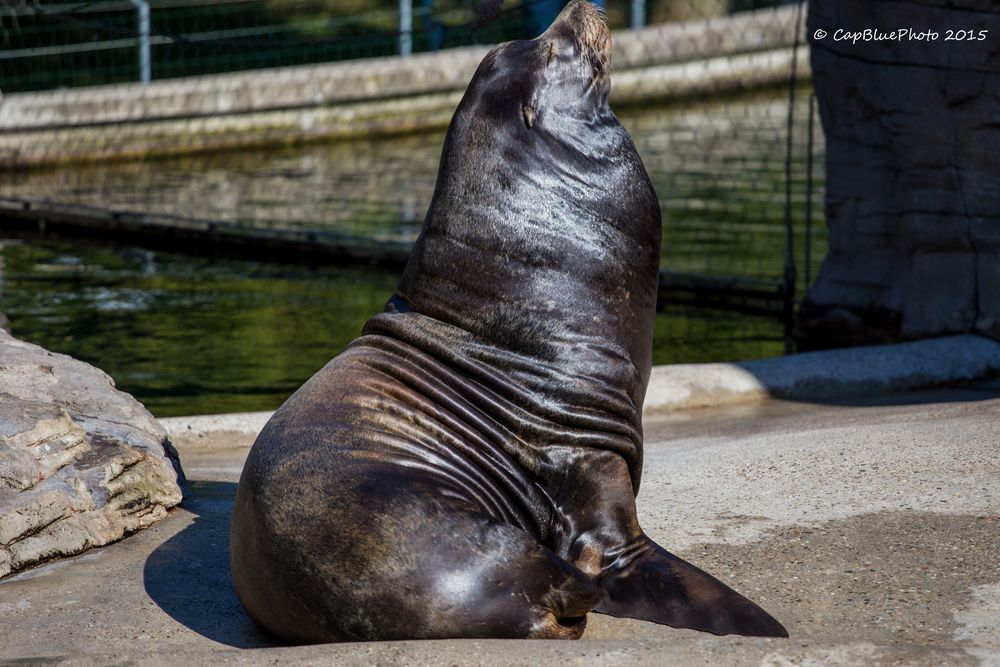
{"x": 542, "y": 243}
{"x": 542, "y": 240}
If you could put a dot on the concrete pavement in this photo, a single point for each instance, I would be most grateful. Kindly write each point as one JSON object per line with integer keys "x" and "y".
{"x": 872, "y": 531}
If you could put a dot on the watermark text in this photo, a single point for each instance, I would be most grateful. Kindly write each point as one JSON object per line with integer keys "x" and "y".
{"x": 902, "y": 35}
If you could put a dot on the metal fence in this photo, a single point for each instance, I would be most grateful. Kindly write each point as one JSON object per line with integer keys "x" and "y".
{"x": 714, "y": 92}
{"x": 55, "y": 44}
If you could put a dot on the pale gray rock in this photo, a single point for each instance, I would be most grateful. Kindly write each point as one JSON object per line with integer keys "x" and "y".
{"x": 81, "y": 463}
{"x": 913, "y": 152}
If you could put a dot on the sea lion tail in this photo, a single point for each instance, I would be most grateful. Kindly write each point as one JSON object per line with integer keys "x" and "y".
{"x": 654, "y": 585}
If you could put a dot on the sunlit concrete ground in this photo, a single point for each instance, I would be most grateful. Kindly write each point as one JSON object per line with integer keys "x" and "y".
{"x": 872, "y": 531}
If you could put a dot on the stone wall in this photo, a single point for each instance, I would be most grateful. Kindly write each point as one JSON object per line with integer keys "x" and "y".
{"x": 365, "y": 97}
{"x": 913, "y": 173}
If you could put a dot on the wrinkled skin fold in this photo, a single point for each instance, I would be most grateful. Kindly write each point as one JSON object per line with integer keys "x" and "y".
{"x": 468, "y": 466}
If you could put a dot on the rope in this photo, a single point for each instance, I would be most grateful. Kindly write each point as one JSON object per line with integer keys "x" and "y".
{"x": 790, "y": 273}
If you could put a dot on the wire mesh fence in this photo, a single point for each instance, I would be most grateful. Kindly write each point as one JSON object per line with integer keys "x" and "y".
{"x": 55, "y": 44}
{"x": 714, "y": 92}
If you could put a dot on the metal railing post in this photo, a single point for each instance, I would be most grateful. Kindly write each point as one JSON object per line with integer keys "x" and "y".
{"x": 791, "y": 274}
{"x": 638, "y": 14}
{"x": 145, "y": 66}
{"x": 405, "y": 27}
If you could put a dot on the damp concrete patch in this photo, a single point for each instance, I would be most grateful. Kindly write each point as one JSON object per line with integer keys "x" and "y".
{"x": 976, "y": 622}
{"x": 881, "y": 578}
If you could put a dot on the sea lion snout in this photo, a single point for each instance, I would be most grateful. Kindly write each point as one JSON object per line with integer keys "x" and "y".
{"x": 586, "y": 24}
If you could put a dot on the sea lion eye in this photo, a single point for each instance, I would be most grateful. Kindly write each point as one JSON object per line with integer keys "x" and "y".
{"x": 528, "y": 113}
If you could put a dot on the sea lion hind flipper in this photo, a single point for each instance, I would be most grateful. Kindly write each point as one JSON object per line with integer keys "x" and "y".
{"x": 660, "y": 587}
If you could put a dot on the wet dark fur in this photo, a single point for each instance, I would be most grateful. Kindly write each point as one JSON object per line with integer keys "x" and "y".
{"x": 468, "y": 467}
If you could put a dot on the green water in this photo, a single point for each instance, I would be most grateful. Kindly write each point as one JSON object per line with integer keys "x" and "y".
{"x": 182, "y": 334}
{"x": 199, "y": 336}
{"x": 187, "y": 335}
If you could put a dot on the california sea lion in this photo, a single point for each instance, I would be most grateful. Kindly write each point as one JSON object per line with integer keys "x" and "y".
{"x": 468, "y": 466}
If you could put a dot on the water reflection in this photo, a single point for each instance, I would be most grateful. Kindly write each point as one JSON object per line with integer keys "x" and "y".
{"x": 189, "y": 335}
{"x": 374, "y": 187}
{"x": 194, "y": 335}
{"x": 718, "y": 168}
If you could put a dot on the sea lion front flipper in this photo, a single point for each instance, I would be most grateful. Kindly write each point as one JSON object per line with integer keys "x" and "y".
{"x": 657, "y": 586}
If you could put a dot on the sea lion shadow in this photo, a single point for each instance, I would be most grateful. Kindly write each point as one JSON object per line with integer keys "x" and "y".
{"x": 876, "y": 395}
{"x": 188, "y": 576}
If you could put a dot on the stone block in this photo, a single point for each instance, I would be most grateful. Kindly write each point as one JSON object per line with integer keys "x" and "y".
{"x": 81, "y": 463}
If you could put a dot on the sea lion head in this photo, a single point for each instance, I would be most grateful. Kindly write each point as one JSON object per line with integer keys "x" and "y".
{"x": 565, "y": 70}
{"x": 577, "y": 53}
{"x": 580, "y": 36}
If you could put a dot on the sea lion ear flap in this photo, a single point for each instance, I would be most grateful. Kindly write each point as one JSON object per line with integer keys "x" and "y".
{"x": 660, "y": 587}
{"x": 528, "y": 113}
